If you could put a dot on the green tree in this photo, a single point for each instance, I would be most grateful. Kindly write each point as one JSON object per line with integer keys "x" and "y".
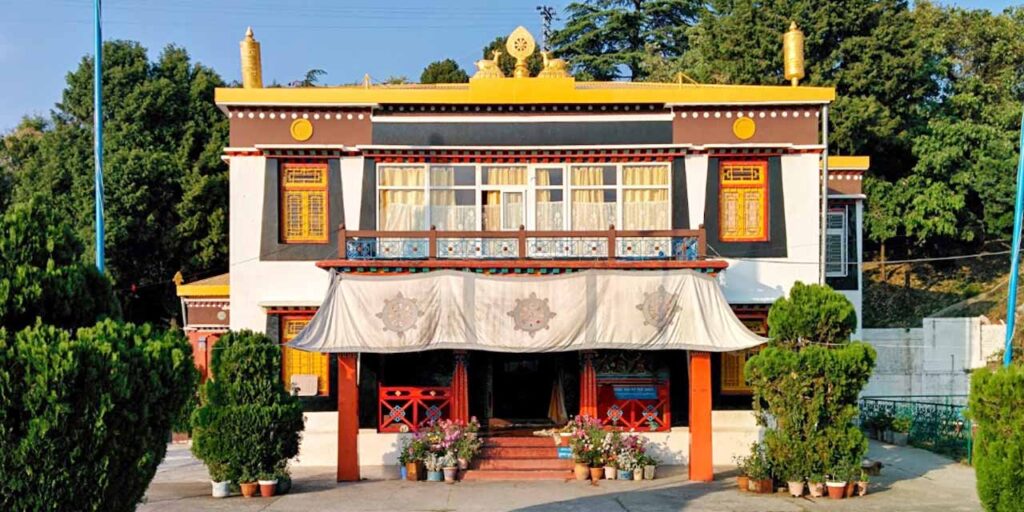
{"x": 608, "y": 39}
{"x": 506, "y": 62}
{"x": 166, "y": 186}
{"x": 42, "y": 275}
{"x": 997, "y": 408}
{"x": 445, "y": 71}
{"x": 811, "y": 313}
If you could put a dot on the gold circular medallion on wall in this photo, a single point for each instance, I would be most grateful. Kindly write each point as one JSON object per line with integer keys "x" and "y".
{"x": 301, "y": 130}
{"x": 744, "y": 128}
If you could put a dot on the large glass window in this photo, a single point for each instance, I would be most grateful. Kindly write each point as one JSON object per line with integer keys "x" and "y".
{"x": 402, "y": 206}
{"x": 304, "y": 203}
{"x": 645, "y": 202}
{"x": 453, "y": 197}
{"x": 594, "y": 197}
{"x": 503, "y": 197}
{"x": 743, "y": 202}
{"x": 549, "y": 207}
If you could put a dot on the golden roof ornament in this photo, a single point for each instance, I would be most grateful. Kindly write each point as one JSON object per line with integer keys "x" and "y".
{"x": 793, "y": 54}
{"x": 488, "y": 68}
{"x": 252, "y": 67}
{"x": 553, "y": 68}
{"x": 520, "y": 44}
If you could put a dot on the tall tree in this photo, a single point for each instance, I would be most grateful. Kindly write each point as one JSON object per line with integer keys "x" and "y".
{"x": 445, "y": 71}
{"x": 609, "y": 39}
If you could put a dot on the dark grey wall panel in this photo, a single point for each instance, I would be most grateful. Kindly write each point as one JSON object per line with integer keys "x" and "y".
{"x": 271, "y": 248}
{"x": 368, "y": 207}
{"x": 775, "y": 247}
{"x": 680, "y": 195}
{"x": 567, "y": 133}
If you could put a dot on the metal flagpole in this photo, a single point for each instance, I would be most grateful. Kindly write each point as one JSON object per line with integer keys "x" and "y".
{"x": 1018, "y": 212}
{"x": 97, "y": 101}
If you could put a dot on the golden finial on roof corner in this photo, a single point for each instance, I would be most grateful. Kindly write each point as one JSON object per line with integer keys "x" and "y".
{"x": 178, "y": 278}
{"x": 793, "y": 54}
{"x": 520, "y": 44}
{"x": 252, "y": 67}
{"x": 553, "y": 68}
{"x": 488, "y": 68}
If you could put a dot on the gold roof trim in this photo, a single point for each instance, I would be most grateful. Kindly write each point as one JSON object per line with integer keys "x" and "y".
{"x": 216, "y": 286}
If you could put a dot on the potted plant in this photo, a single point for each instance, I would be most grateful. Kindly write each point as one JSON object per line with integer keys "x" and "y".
{"x": 650, "y": 466}
{"x": 836, "y": 484}
{"x": 742, "y": 480}
{"x": 435, "y": 471}
{"x": 268, "y": 484}
{"x": 586, "y": 438}
{"x": 862, "y": 483}
{"x": 816, "y": 486}
{"x": 450, "y": 466}
{"x": 610, "y": 449}
{"x": 219, "y": 479}
{"x": 624, "y": 464}
{"x": 403, "y": 459}
{"x": 597, "y": 469}
{"x": 468, "y": 444}
{"x": 793, "y": 471}
{"x": 901, "y": 429}
{"x": 415, "y": 453}
{"x": 759, "y": 471}
{"x": 248, "y": 484}
{"x": 284, "y": 480}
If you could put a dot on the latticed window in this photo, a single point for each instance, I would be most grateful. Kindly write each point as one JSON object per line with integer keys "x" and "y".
{"x": 304, "y": 203}
{"x": 836, "y": 243}
{"x": 743, "y": 202}
{"x": 301, "y": 362}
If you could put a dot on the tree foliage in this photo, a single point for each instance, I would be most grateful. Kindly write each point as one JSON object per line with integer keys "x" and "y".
{"x": 84, "y": 417}
{"x": 997, "y": 408}
{"x": 445, "y": 71}
{"x": 812, "y": 313}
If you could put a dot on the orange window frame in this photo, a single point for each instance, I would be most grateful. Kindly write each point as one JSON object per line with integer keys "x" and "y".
{"x": 306, "y": 193}
{"x": 746, "y": 188}
{"x": 294, "y": 361}
{"x": 733, "y": 379}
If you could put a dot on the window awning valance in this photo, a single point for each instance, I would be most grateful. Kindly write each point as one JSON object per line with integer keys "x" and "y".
{"x": 593, "y": 309}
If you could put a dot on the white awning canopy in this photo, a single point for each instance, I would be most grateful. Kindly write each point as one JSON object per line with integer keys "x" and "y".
{"x": 592, "y": 309}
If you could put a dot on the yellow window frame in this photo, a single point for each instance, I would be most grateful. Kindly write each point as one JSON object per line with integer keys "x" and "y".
{"x": 304, "y": 208}
{"x": 746, "y": 184}
{"x": 296, "y": 362}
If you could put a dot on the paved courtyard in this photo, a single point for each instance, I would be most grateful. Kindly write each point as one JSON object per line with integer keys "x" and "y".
{"x": 913, "y": 480}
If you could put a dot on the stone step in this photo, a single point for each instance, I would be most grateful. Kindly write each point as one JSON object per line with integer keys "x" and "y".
{"x": 523, "y": 464}
{"x": 476, "y": 474}
{"x": 519, "y": 452}
{"x": 535, "y": 441}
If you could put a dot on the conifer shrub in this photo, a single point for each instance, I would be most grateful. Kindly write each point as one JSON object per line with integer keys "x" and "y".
{"x": 85, "y": 417}
{"x": 996, "y": 406}
{"x": 247, "y": 425}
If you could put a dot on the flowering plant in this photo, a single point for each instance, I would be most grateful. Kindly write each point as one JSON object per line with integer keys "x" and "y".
{"x": 448, "y": 460}
{"x": 469, "y": 443}
{"x": 414, "y": 449}
{"x": 610, "y": 447}
{"x": 433, "y": 462}
{"x": 587, "y": 440}
{"x": 632, "y": 452}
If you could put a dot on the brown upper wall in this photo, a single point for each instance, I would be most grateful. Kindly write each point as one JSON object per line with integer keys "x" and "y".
{"x": 793, "y": 124}
{"x": 252, "y": 126}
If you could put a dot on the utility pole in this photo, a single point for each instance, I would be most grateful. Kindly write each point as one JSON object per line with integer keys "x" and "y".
{"x": 547, "y": 15}
{"x": 97, "y": 105}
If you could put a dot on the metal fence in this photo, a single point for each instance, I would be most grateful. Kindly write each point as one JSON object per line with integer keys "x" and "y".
{"x": 937, "y": 422}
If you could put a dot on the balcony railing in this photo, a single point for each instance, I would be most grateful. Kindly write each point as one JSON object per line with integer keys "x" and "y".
{"x": 409, "y": 408}
{"x": 634, "y": 404}
{"x": 667, "y": 244}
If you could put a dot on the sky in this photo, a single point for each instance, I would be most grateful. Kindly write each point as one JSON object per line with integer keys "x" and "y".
{"x": 42, "y": 40}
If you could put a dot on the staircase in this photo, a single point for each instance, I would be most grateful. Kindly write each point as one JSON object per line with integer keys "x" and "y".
{"x": 519, "y": 458}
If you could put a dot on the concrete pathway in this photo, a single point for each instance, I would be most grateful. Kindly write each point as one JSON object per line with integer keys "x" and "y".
{"x": 912, "y": 480}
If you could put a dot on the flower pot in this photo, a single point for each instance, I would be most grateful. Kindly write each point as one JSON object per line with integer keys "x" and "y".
{"x": 249, "y": 488}
{"x": 836, "y": 490}
{"x": 624, "y": 474}
{"x": 900, "y": 438}
{"x": 403, "y": 472}
{"x": 763, "y": 486}
{"x": 450, "y": 474}
{"x": 415, "y": 471}
{"x": 649, "y": 471}
{"x": 862, "y": 488}
{"x": 463, "y": 464}
{"x": 609, "y": 472}
{"x": 596, "y": 473}
{"x": 743, "y": 483}
{"x": 796, "y": 488}
{"x": 816, "y": 489}
{"x": 851, "y": 487}
{"x": 435, "y": 476}
{"x": 221, "y": 489}
{"x": 638, "y": 474}
{"x": 268, "y": 488}
{"x": 581, "y": 470}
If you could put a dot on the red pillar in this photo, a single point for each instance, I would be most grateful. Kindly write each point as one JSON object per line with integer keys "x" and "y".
{"x": 588, "y": 386}
{"x": 348, "y": 419}
{"x": 701, "y": 469}
{"x": 460, "y": 389}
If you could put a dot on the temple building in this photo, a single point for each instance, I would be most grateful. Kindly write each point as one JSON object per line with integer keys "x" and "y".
{"x": 521, "y": 249}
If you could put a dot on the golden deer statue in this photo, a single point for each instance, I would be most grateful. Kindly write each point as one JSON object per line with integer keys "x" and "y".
{"x": 488, "y": 68}
{"x": 553, "y": 68}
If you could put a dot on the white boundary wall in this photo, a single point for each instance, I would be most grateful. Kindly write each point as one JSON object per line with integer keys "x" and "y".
{"x": 934, "y": 359}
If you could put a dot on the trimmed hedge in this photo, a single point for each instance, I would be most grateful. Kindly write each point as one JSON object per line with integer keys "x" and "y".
{"x": 997, "y": 408}
{"x": 85, "y": 418}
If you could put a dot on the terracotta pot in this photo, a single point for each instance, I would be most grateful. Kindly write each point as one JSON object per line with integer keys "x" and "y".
{"x": 596, "y": 473}
{"x": 609, "y": 472}
{"x": 415, "y": 471}
{"x": 743, "y": 483}
{"x": 851, "y": 487}
{"x": 862, "y": 488}
{"x": 268, "y": 488}
{"x": 763, "y": 486}
{"x": 836, "y": 490}
{"x": 450, "y": 474}
{"x": 816, "y": 489}
{"x": 249, "y": 488}
{"x": 581, "y": 471}
{"x": 796, "y": 489}
{"x": 463, "y": 464}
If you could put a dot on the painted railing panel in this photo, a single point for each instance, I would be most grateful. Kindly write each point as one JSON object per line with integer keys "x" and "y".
{"x": 937, "y": 422}
{"x": 408, "y": 408}
{"x": 672, "y": 244}
{"x": 639, "y": 405}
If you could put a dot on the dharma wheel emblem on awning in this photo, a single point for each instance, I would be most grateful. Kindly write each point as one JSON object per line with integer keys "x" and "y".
{"x": 658, "y": 307}
{"x": 531, "y": 314}
{"x": 399, "y": 314}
